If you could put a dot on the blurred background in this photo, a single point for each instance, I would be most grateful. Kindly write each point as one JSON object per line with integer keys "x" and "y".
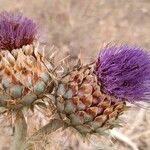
{"x": 83, "y": 27}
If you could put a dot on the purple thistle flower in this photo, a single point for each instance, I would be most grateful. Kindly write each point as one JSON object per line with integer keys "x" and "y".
{"x": 124, "y": 72}
{"x": 16, "y": 30}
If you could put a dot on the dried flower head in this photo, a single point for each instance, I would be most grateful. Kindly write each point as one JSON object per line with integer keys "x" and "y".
{"x": 16, "y": 30}
{"x": 124, "y": 71}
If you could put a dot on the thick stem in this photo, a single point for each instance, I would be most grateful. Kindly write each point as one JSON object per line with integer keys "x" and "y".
{"x": 52, "y": 126}
{"x": 20, "y": 131}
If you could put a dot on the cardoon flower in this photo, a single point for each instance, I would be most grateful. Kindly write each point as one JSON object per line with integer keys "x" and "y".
{"x": 124, "y": 71}
{"x": 16, "y": 31}
{"x": 91, "y": 98}
{"x": 23, "y": 73}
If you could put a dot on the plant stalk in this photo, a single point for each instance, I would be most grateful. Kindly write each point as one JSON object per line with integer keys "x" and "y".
{"x": 20, "y": 131}
{"x": 52, "y": 126}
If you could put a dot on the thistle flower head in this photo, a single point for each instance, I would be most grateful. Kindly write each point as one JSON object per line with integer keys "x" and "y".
{"x": 124, "y": 71}
{"x": 16, "y": 30}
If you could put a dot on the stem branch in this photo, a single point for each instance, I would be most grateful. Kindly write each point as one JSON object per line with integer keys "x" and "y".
{"x": 20, "y": 131}
{"x": 52, "y": 126}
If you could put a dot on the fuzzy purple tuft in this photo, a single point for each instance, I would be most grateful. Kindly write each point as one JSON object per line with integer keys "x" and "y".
{"x": 16, "y": 30}
{"x": 124, "y": 72}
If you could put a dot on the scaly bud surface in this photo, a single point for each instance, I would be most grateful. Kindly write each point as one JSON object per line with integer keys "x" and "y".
{"x": 86, "y": 107}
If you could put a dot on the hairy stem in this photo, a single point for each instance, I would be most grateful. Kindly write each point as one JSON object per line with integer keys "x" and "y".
{"x": 20, "y": 131}
{"x": 52, "y": 126}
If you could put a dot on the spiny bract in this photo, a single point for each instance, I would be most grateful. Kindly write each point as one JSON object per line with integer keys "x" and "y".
{"x": 24, "y": 77}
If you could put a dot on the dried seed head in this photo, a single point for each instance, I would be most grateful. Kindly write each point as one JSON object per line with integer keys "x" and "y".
{"x": 16, "y": 31}
{"x": 124, "y": 71}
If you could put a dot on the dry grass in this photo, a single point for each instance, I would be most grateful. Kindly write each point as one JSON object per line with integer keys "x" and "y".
{"x": 75, "y": 26}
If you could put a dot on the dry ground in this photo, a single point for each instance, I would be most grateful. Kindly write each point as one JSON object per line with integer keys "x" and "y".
{"x": 76, "y": 26}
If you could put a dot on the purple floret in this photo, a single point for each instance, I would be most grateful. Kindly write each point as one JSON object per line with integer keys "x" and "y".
{"x": 124, "y": 72}
{"x": 16, "y": 30}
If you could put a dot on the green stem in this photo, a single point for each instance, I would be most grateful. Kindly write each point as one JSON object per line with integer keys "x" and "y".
{"x": 52, "y": 126}
{"x": 20, "y": 131}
